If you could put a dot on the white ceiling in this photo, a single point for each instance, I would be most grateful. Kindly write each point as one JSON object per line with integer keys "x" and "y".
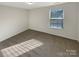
{"x": 26, "y": 6}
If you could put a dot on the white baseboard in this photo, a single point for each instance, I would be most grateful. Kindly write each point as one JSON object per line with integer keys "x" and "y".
{"x": 12, "y": 35}
{"x": 52, "y": 34}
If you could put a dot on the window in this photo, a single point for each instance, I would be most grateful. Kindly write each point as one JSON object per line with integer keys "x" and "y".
{"x": 56, "y": 18}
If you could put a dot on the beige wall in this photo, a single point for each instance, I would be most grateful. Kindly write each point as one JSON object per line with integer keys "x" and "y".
{"x": 12, "y": 21}
{"x": 16, "y": 20}
{"x": 77, "y": 21}
{"x": 39, "y": 20}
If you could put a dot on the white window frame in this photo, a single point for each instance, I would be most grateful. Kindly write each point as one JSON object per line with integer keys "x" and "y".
{"x": 55, "y": 18}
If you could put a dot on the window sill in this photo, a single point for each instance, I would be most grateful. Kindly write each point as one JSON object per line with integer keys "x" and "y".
{"x": 59, "y": 28}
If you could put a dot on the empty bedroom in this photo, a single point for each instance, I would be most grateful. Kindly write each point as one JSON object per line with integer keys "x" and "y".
{"x": 39, "y": 29}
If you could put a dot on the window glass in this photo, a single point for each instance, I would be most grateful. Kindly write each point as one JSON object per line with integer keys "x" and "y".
{"x": 56, "y": 18}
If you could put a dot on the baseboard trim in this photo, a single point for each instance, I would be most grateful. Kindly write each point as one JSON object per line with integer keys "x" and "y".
{"x": 54, "y": 34}
{"x": 12, "y": 35}
{"x": 77, "y": 40}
